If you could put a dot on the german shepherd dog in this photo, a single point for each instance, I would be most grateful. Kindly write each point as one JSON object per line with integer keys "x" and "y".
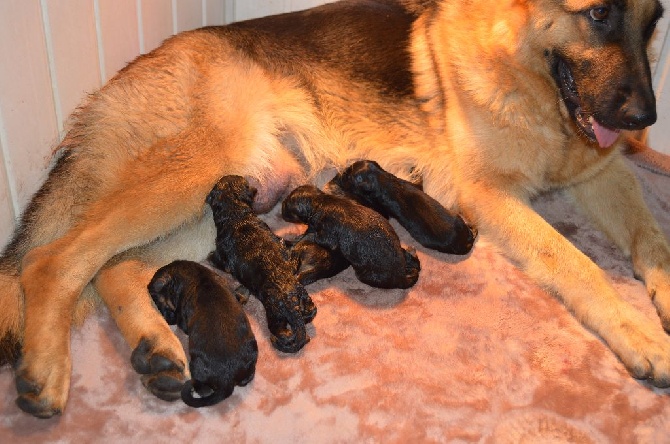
{"x": 489, "y": 102}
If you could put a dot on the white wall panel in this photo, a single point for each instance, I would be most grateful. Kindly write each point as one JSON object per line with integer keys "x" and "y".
{"x": 297, "y": 5}
{"x": 74, "y": 52}
{"x": 188, "y": 14}
{"x": 157, "y": 22}
{"x": 215, "y": 12}
{"x": 658, "y": 136}
{"x": 118, "y": 34}
{"x": 28, "y": 126}
{"x": 246, "y": 9}
{"x": 7, "y": 212}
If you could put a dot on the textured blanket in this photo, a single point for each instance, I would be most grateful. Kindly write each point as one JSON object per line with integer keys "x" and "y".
{"x": 474, "y": 352}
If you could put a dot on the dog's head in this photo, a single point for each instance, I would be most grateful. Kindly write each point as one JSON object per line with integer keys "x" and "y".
{"x": 231, "y": 189}
{"x": 298, "y": 205}
{"x": 597, "y": 55}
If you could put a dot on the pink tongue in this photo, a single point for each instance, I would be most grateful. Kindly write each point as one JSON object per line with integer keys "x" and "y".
{"x": 606, "y": 137}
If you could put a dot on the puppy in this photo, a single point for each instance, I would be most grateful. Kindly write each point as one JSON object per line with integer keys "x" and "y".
{"x": 221, "y": 344}
{"x": 424, "y": 218}
{"x": 313, "y": 262}
{"x": 365, "y": 239}
{"x": 259, "y": 260}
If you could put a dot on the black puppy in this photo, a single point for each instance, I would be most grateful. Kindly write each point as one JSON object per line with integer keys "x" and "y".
{"x": 222, "y": 347}
{"x": 424, "y": 218}
{"x": 313, "y": 262}
{"x": 365, "y": 239}
{"x": 259, "y": 260}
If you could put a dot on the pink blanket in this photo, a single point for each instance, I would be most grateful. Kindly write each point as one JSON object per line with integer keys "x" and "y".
{"x": 474, "y": 352}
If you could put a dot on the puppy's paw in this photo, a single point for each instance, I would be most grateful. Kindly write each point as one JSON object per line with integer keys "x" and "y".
{"x": 288, "y": 342}
{"x": 307, "y": 307}
{"x": 43, "y": 396}
{"x": 162, "y": 375}
{"x": 286, "y": 326}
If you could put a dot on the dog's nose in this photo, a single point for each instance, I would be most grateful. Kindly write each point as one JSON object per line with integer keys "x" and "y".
{"x": 636, "y": 118}
{"x": 638, "y": 110}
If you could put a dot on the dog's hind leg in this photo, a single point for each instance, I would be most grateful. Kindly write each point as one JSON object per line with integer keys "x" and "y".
{"x": 147, "y": 202}
{"x": 157, "y": 353}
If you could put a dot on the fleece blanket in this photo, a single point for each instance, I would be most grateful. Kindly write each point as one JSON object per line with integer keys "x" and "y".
{"x": 474, "y": 352}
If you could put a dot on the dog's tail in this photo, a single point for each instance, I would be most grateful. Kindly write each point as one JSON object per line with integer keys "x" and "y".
{"x": 214, "y": 396}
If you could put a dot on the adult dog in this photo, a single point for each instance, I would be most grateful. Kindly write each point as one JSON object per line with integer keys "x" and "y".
{"x": 490, "y": 102}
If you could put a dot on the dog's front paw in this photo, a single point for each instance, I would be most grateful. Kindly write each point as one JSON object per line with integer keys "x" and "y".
{"x": 644, "y": 349}
{"x": 162, "y": 374}
{"x": 42, "y": 389}
{"x": 658, "y": 286}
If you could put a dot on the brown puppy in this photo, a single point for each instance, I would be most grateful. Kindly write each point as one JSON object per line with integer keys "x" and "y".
{"x": 255, "y": 256}
{"x": 432, "y": 225}
{"x": 221, "y": 344}
{"x": 363, "y": 237}
{"x": 313, "y": 262}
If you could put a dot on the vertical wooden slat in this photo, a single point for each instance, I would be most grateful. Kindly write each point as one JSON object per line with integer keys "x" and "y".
{"x": 75, "y": 54}
{"x": 215, "y": 12}
{"x": 156, "y": 22}
{"x": 189, "y": 14}
{"x": 119, "y": 35}
{"x": 229, "y": 11}
{"x": 29, "y": 127}
{"x": 8, "y": 214}
{"x": 297, "y": 5}
{"x": 246, "y": 9}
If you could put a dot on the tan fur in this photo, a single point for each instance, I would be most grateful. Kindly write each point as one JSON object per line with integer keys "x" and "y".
{"x": 487, "y": 132}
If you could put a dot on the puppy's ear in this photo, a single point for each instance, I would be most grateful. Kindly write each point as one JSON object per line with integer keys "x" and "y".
{"x": 248, "y": 194}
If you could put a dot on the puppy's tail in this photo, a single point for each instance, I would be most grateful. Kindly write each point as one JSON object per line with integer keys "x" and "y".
{"x": 214, "y": 396}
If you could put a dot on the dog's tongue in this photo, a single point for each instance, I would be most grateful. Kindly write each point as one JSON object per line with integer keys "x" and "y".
{"x": 605, "y": 136}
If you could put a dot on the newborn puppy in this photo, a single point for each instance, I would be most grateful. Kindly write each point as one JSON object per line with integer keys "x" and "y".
{"x": 222, "y": 347}
{"x": 365, "y": 239}
{"x": 259, "y": 260}
{"x": 424, "y": 218}
{"x": 313, "y": 262}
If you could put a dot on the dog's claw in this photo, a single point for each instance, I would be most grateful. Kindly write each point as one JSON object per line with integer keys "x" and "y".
{"x": 160, "y": 375}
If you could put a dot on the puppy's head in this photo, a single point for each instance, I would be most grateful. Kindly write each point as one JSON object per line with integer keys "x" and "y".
{"x": 361, "y": 176}
{"x": 165, "y": 290}
{"x": 231, "y": 189}
{"x": 298, "y": 205}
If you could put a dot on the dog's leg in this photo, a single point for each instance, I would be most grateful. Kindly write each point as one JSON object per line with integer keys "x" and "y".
{"x": 146, "y": 204}
{"x": 552, "y": 261}
{"x": 613, "y": 200}
{"x": 157, "y": 353}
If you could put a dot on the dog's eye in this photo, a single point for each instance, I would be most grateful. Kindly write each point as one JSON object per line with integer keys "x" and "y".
{"x": 600, "y": 13}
